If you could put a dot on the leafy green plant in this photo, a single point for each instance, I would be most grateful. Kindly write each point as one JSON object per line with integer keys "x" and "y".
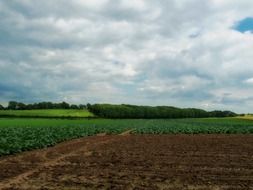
{"x": 21, "y": 134}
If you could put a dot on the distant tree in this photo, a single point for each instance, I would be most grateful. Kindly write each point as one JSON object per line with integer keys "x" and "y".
{"x": 1, "y": 107}
{"x": 20, "y": 106}
{"x": 73, "y": 106}
{"x": 81, "y": 106}
{"x": 41, "y": 105}
{"x": 218, "y": 113}
{"x": 229, "y": 114}
{"x": 148, "y": 112}
{"x": 12, "y": 105}
{"x": 64, "y": 105}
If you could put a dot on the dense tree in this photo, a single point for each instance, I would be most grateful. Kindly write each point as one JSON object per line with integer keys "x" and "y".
{"x": 12, "y": 105}
{"x": 64, "y": 105}
{"x": 81, "y": 106}
{"x": 74, "y": 106}
{"x": 88, "y": 106}
{"x": 132, "y": 111}
{"x": 125, "y": 110}
{"x": 1, "y": 107}
{"x": 20, "y": 106}
{"x": 218, "y": 113}
{"x": 42, "y": 105}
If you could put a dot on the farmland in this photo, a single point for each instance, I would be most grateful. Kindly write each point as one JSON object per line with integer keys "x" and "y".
{"x": 197, "y": 126}
{"x": 95, "y": 153}
{"x": 25, "y": 134}
{"x": 47, "y": 113}
{"x": 22, "y": 134}
{"x": 135, "y": 162}
{"x": 248, "y": 117}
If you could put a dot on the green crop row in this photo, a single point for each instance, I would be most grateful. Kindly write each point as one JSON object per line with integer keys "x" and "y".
{"x": 18, "y": 135}
{"x": 197, "y": 126}
{"x": 17, "y": 139}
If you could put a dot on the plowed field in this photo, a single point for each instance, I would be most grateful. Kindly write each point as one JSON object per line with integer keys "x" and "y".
{"x": 135, "y": 162}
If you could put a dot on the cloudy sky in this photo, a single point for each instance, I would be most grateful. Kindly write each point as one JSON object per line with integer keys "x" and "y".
{"x": 187, "y": 53}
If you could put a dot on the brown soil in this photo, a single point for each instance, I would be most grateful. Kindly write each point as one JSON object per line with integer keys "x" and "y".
{"x": 135, "y": 162}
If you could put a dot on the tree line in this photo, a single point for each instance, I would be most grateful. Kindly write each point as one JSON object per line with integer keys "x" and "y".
{"x": 124, "y": 110}
{"x": 149, "y": 112}
{"x": 13, "y": 105}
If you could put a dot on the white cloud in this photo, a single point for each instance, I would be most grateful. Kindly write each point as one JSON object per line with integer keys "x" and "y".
{"x": 184, "y": 53}
{"x": 249, "y": 81}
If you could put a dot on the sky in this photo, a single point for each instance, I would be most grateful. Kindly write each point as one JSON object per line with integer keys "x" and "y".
{"x": 187, "y": 53}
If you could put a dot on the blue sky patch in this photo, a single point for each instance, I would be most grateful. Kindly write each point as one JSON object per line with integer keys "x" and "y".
{"x": 245, "y": 25}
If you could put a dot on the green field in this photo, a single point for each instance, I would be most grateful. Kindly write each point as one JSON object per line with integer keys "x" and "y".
{"x": 197, "y": 126}
{"x": 19, "y": 134}
{"x": 76, "y": 113}
{"x": 248, "y": 117}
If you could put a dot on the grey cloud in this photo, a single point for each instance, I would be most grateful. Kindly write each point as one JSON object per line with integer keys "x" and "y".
{"x": 183, "y": 53}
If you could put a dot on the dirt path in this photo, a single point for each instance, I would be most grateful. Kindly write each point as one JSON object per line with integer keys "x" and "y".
{"x": 17, "y": 168}
{"x": 135, "y": 162}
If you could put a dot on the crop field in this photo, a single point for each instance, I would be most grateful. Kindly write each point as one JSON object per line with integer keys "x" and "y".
{"x": 22, "y": 134}
{"x": 197, "y": 126}
{"x": 248, "y": 117}
{"x": 17, "y": 135}
{"x": 48, "y": 113}
{"x": 211, "y": 153}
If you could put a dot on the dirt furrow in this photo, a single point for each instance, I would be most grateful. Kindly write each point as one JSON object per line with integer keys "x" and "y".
{"x": 136, "y": 162}
{"x": 48, "y": 158}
